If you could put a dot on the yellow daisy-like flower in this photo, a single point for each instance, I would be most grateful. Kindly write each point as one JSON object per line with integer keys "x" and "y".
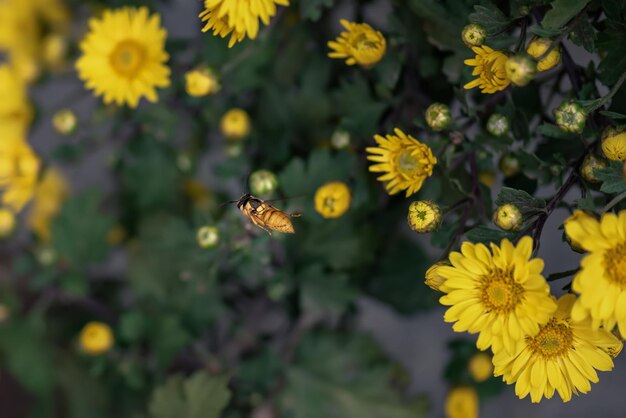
{"x": 500, "y": 294}
{"x": 201, "y": 82}
{"x": 19, "y": 168}
{"x": 563, "y": 357}
{"x": 15, "y": 110}
{"x": 360, "y": 44}
{"x": 405, "y": 161}
{"x": 332, "y": 199}
{"x": 601, "y": 282}
{"x": 50, "y": 194}
{"x": 462, "y": 402}
{"x": 235, "y": 124}
{"x": 614, "y": 144}
{"x": 238, "y": 18}
{"x": 96, "y": 338}
{"x": 490, "y": 69}
{"x": 123, "y": 56}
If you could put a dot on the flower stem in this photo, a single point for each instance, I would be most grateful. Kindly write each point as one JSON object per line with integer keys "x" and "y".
{"x": 562, "y": 274}
{"x": 614, "y": 202}
{"x": 611, "y": 93}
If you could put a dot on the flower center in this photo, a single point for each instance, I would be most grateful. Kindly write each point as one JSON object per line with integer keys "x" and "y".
{"x": 329, "y": 204}
{"x": 408, "y": 164}
{"x": 554, "y": 339}
{"x": 615, "y": 264}
{"x": 500, "y": 293}
{"x": 127, "y": 58}
{"x": 363, "y": 43}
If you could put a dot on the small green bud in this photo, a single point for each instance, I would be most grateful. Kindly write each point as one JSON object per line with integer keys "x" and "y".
{"x": 340, "y": 139}
{"x": 208, "y": 236}
{"x": 438, "y": 116}
{"x": 508, "y": 217}
{"x": 591, "y": 163}
{"x": 473, "y": 34}
{"x": 424, "y": 216}
{"x": 570, "y": 116}
{"x": 498, "y": 124}
{"x": 65, "y": 122}
{"x": 509, "y": 165}
{"x": 263, "y": 183}
{"x": 520, "y": 69}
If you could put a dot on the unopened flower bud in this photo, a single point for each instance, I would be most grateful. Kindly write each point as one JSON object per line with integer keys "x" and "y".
{"x": 509, "y": 165}
{"x": 201, "y": 82}
{"x": 332, "y": 199}
{"x": 208, "y": 236}
{"x": 424, "y": 216}
{"x": 488, "y": 178}
{"x": 473, "y": 34}
{"x": 263, "y": 183}
{"x": 508, "y": 217}
{"x": 614, "y": 144}
{"x": 65, "y": 122}
{"x": 520, "y": 69}
{"x": 46, "y": 256}
{"x": 235, "y": 124}
{"x": 537, "y": 47}
{"x": 498, "y": 124}
{"x": 570, "y": 116}
{"x": 96, "y": 338}
{"x": 480, "y": 367}
{"x": 591, "y": 163}
{"x": 438, "y": 116}
{"x": 433, "y": 279}
{"x": 340, "y": 139}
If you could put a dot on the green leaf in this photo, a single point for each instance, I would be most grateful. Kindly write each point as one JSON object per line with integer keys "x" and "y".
{"x": 612, "y": 41}
{"x": 612, "y": 178}
{"x": 198, "y": 396}
{"x": 79, "y": 232}
{"x": 485, "y": 235}
{"x": 312, "y": 9}
{"x": 526, "y": 203}
{"x": 490, "y": 17}
{"x": 584, "y": 34}
{"x": 323, "y": 292}
{"x": 613, "y": 115}
{"x": 342, "y": 377}
{"x": 562, "y": 12}
{"x": 553, "y": 131}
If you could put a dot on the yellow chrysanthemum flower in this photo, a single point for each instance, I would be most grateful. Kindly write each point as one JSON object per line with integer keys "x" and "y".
{"x": 480, "y": 367}
{"x": 235, "y": 124}
{"x": 96, "y": 338}
{"x": 123, "y": 56}
{"x": 490, "y": 69}
{"x": 50, "y": 194}
{"x": 19, "y": 168}
{"x": 15, "y": 110}
{"x": 563, "y": 357}
{"x": 601, "y": 281}
{"x": 360, "y": 44}
{"x": 500, "y": 294}
{"x": 538, "y": 47}
{"x": 201, "y": 82}
{"x": 332, "y": 199}
{"x": 405, "y": 161}
{"x": 238, "y": 18}
{"x": 614, "y": 144}
{"x": 462, "y": 402}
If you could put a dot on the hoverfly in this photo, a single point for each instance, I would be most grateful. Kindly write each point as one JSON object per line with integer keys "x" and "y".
{"x": 264, "y": 215}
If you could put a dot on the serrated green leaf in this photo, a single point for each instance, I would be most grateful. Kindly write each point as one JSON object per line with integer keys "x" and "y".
{"x": 562, "y": 11}
{"x": 612, "y": 41}
{"x": 485, "y": 235}
{"x": 312, "y": 9}
{"x": 79, "y": 232}
{"x": 339, "y": 377}
{"x": 490, "y": 17}
{"x": 198, "y": 396}
{"x": 323, "y": 292}
{"x": 612, "y": 178}
{"x": 584, "y": 34}
{"x": 613, "y": 115}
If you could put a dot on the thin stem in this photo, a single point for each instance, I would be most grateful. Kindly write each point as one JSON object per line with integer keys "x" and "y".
{"x": 611, "y": 93}
{"x": 614, "y": 202}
